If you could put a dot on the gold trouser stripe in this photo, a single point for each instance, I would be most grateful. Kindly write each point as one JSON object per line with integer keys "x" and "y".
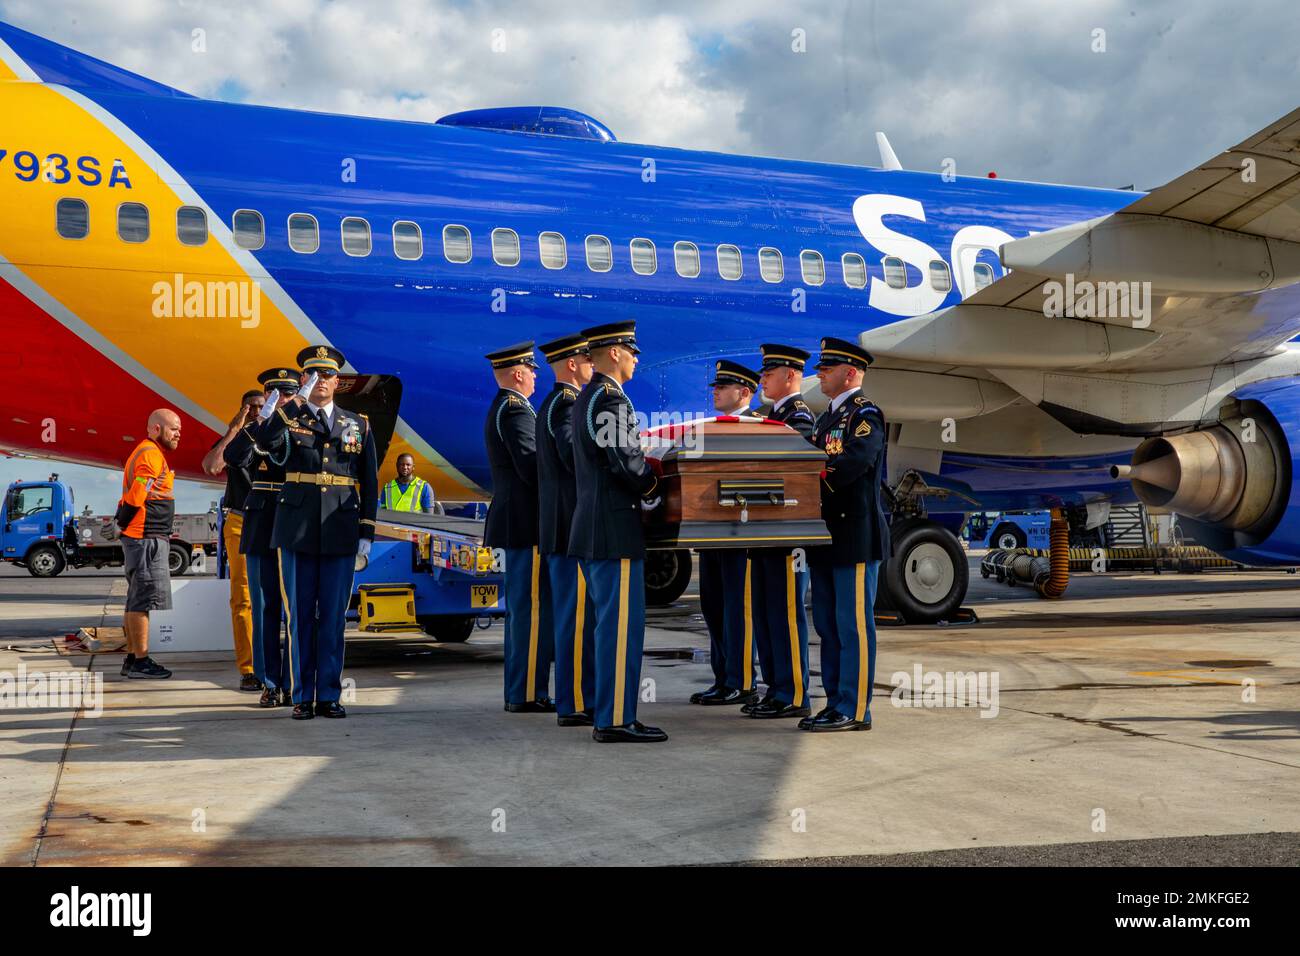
{"x": 793, "y": 625}
{"x": 288, "y": 618}
{"x": 533, "y": 610}
{"x": 620, "y": 657}
{"x": 579, "y": 623}
{"x": 860, "y": 589}
{"x": 747, "y": 655}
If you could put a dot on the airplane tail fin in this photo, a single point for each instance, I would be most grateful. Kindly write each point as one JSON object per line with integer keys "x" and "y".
{"x": 27, "y": 57}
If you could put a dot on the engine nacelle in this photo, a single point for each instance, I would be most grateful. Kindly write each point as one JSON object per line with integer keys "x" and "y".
{"x": 1231, "y": 483}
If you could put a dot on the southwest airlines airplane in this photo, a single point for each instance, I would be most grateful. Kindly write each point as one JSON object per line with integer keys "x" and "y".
{"x": 1036, "y": 345}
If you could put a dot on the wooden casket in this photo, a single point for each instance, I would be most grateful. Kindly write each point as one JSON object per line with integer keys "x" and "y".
{"x": 735, "y": 483}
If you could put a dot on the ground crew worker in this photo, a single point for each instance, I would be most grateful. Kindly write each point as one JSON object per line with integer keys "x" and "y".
{"x": 406, "y": 492}
{"x": 614, "y": 482}
{"x": 852, "y": 433}
{"x": 779, "y": 575}
{"x": 724, "y": 575}
{"x": 232, "y": 512}
{"x": 266, "y": 474}
{"x": 571, "y": 613}
{"x": 145, "y": 514}
{"x": 324, "y": 521}
{"x": 510, "y": 436}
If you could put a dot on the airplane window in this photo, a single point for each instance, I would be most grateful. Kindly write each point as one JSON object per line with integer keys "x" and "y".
{"x": 304, "y": 233}
{"x": 248, "y": 229}
{"x": 895, "y": 272}
{"x": 555, "y": 255}
{"x": 770, "y": 265}
{"x": 133, "y": 222}
{"x": 600, "y": 254}
{"x": 983, "y": 275}
{"x": 644, "y": 261}
{"x": 686, "y": 256}
{"x": 855, "y": 270}
{"x": 72, "y": 218}
{"x": 456, "y": 244}
{"x": 191, "y": 226}
{"x": 505, "y": 247}
{"x": 940, "y": 277}
{"x": 356, "y": 236}
{"x": 729, "y": 266}
{"x": 408, "y": 241}
{"x": 812, "y": 266}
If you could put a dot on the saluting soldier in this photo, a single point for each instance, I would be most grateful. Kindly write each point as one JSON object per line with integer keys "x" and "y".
{"x": 614, "y": 482}
{"x": 852, "y": 433}
{"x": 510, "y": 435}
{"x": 725, "y": 584}
{"x": 324, "y": 521}
{"x": 266, "y": 471}
{"x": 779, "y": 578}
{"x": 557, "y": 495}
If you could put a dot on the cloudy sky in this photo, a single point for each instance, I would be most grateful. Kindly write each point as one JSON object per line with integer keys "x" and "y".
{"x": 1014, "y": 86}
{"x": 1092, "y": 92}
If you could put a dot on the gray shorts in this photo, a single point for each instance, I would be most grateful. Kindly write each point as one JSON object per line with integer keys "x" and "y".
{"x": 148, "y": 582}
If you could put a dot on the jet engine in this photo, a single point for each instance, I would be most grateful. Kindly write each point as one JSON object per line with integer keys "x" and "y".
{"x": 1231, "y": 482}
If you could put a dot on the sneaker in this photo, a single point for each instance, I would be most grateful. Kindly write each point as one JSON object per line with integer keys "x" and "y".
{"x": 146, "y": 668}
{"x": 127, "y": 663}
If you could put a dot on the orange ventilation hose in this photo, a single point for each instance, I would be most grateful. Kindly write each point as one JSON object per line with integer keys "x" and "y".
{"x": 1059, "y": 579}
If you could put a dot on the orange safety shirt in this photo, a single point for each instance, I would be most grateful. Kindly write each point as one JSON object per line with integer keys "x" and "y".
{"x": 147, "y": 487}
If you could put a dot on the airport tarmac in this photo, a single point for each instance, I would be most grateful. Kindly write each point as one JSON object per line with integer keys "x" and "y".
{"x": 1142, "y": 720}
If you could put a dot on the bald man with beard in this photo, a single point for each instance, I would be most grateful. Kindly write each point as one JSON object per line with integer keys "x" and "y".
{"x": 145, "y": 514}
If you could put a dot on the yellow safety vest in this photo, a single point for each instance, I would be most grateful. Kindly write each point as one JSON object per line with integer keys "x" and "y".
{"x": 410, "y": 501}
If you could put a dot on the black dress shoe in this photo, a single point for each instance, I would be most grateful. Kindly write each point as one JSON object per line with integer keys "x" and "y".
{"x": 774, "y": 709}
{"x": 633, "y": 733}
{"x": 807, "y": 721}
{"x": 754, "y": 704}
{"x": 250, "y": 683}
{"x": 734, "y": 696}
{"x": 303, "y": 712}
{"x": 581, "y": 718}
{"x": 330, "y": 708}
{"x": 270, "y": 698}
{"x": 543, "y": 705}
{"x": 833, "y": 720}
{"x": 699, "y": 695}
{"x": 286, "y": 697}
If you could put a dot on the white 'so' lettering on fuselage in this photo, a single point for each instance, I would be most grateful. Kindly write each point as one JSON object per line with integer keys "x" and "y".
{"x": 869, "y": 212}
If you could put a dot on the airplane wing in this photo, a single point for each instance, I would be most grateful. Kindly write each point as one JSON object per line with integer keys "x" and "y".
{"x": 1146, "y": 317}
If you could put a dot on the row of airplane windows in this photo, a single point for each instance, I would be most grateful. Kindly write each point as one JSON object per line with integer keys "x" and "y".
{"x": 248, "y": 228}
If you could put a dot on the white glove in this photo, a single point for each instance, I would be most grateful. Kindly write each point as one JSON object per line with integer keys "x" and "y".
{"x": 305, "y": 392}
{"x": 363, "y": 548}
{"x": 650, "y": 505}
{"x": 267, "y": 410}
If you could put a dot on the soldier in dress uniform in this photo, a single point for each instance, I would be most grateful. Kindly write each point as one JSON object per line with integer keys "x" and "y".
{"x": 780, "y": 575}
{"x": 614, "y": 482}
{"x": 270, "y": 661}
{"x": 324, "y": 521}
{"x": 574, "y": 622}
{"x": 852, "y": 433}
{"x": 510, "y": 435}
{"x": 725, "y": 595}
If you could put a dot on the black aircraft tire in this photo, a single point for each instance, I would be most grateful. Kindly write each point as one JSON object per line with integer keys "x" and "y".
{"x": 667, "y": 575}
{"x": 926, "y": 578}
